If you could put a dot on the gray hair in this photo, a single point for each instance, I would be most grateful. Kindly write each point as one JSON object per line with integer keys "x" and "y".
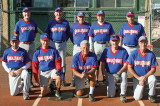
{"x": 84, "y": 41}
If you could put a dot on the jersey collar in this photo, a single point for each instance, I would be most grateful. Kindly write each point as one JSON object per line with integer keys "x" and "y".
{"x": 44, "y": 50}
{"x": 115, "y": 52}
{"x": 141, "y": 53}
{"x": 15, "y": 50}
{"x": 58, "y": 22}
{"x": 131, "y": 25}
{"x": 99, "y": 24}
{"x": 26, "y": 21}
{"x": 82, "y": 24}
{"x": 84, "y": 59}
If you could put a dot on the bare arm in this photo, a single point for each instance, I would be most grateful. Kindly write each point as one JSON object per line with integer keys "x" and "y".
{"x": 16, "y": 34}
{"x": 102, "y": 64}
{"x": 152, "y": 71}
{"x": 124, "y": 68}
{"x": 130, "y": 68}
{"x": 92, "y": 71}
{"x": 76, "y": 73}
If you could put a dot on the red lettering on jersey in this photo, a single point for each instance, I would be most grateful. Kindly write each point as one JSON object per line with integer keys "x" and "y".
{"x": 114, "y": 61}
{"x": 131, "y": 32}
{"x": 45, "y": 58}
{"x": 81, "y": 31}
{"x": 15, "y": 58}
{"x": 101, "y": 31}
{"x": 27, "y": 28}
{"x": 142, "y": 63}
{"x": 60, "y": 29}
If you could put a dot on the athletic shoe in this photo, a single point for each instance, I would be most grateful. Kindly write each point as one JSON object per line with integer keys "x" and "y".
{"x": 123, "y": 98}
{"x": 73, "y": 83}
{"x": 97, "y": 83}
{"x": 64, "y": 83}
{"x": 58, "y": 94}
{"x": 52, "y": 86}
{"x": 91, "y": 97}
{"x": 26, "y": 96}
{"x": 152, "y": 99}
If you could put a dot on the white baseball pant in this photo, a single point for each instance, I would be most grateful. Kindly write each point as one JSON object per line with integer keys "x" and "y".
{"x": 76, "y": 49}
{"x": 130, "y": 49}
{"x": 138, "y": 90}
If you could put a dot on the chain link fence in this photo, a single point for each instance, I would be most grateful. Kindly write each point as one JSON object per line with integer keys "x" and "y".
{"x": 116, "y": 18}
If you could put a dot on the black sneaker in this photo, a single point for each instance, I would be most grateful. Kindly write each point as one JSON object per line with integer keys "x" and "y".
{"x": 97, "y": 83}
{"x": 123, "y": 98}
{"x": 152, "y": 99}
{"x": 64, "y": 83}
{"x": 58, "y": 94}
{"x": 91, "y": 97}
{"x": 73, "y": 83}
{"x": 52, "y": 86}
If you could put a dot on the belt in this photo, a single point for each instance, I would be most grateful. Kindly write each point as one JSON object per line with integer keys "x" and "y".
{"x": 26, "y": 42}
{"x": 101, "y": 42}
{"x": 130, "y": 45}
{"x": 14, "y": 68}
{"x": 58, "y": 41}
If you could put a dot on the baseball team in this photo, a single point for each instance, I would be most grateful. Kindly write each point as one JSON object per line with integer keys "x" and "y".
{"x": 96, "y": 48}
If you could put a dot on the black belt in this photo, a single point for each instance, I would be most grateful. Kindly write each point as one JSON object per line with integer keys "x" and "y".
{"x": 14, "y": 68}
{"x": 58, "y": 41}
{"x": 130, "y": 45}
{"x": 101, "y": 42}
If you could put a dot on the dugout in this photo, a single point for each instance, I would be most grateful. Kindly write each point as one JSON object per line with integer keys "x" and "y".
{"x": 42, "y": 12}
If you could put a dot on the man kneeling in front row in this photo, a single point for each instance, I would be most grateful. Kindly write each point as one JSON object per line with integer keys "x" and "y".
{"x": 84, "y": 65}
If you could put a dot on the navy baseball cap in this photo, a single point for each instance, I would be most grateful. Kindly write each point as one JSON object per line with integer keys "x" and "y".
{"x": 81, "y": 13}
{"x": 114, "y": 37}
{"x": 44, "y": 36}
{"x": 142, "y": 38}
{"x": 100, "y": 12}
{"x": 130, "y": 13}
{"x": 58, "y": 9}
{"x": 26, "y": 9}
{"x": 14, "y": 38}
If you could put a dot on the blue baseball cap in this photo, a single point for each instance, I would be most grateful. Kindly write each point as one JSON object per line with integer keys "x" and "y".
{"x": 114, "y": 37}
{"x": 14, "y": 38}
{"x": 142, "y": 38}
{"x": 26, "y": 9}
{"x": 81, "y": 13}
{"x": 58, "y": 9}
{"x": 100, "y": 12}
{"x": 44, "y": 36}
{"x": 130, "y": 13}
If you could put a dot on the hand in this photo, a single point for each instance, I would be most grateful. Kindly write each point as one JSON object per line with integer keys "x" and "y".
{"x": 12, "y": 73}
{"x": 19, "y": 71}
{"x": 142, "y": 78}
{"x": 37, "y": 83}
{"x": 141, "y": 83}
{"x": 83, "y": 75}
{"x": 58, "y": 73}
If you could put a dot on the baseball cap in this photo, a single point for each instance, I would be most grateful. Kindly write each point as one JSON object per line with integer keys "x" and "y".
{"x": 114, "y": 37}
{"x": 14, "y": 38}
{"x": 58, "y": 9}
{"x": 129, "y": 13}
{"x": 81, "y": 13}
{"x": 100, "y": 12}
{"x": 142, "y": 38}
{"x": 44, "y": 36}
{"x": 26, "y": 9}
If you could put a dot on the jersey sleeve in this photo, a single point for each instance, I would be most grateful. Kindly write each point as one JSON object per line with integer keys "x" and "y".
{"x": 111, "y": 30}
{"x": 142, "y": 32}
{"x": 16, "y": 29}
{"x": 74, "y": 64}
{"x": 120, "y": 34}
{"x": 103, "y": 57}
{"x": 94, "y": 61}
{"x": 4, "y": 58}
{"x": 91, "y": 32}
{"x": 154, "y": 62}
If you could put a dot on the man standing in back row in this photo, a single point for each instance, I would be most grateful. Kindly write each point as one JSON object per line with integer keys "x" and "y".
{"x": 100, "y": 34}
{"x": 26, "y": 29}
{"x": 59, "y": 32}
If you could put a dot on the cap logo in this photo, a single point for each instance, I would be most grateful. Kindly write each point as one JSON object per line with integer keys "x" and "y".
{"x": 45, "y": 36}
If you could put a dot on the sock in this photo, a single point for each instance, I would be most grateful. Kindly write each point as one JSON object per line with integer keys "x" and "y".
{"x": 63, "y": 76}
{"x": 91, "y": 90}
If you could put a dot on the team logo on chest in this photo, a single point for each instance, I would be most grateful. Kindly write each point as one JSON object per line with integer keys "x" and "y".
{"x": 114, "y": 61}
{"x": 101, "y": 31}
{"x": 81, "y": 31}
{"x": 142, "y": 63}
{"x": 45, "y": 58}
{"x": 59, "y": 29}
{"x": 27, "y": 28}
{"x": 131, "y": 32}
{"x": 85, "y": 67}
{"x": 15, "y": 58}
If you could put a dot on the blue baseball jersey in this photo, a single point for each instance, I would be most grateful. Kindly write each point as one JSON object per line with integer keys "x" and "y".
{"x": 15, "y": 59}
{"x": 142, "y": 64}
{"x": 131, "y": 34}
{"x": 84, "y": 65}
{"x": 114, "y": 61}
{"x": 46, "y": 59}
{"x": 79, "y": 32}
{"x": 101, "y": 32}
{"x": 58, "y": 30}
{"x": 26, "y": 30}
